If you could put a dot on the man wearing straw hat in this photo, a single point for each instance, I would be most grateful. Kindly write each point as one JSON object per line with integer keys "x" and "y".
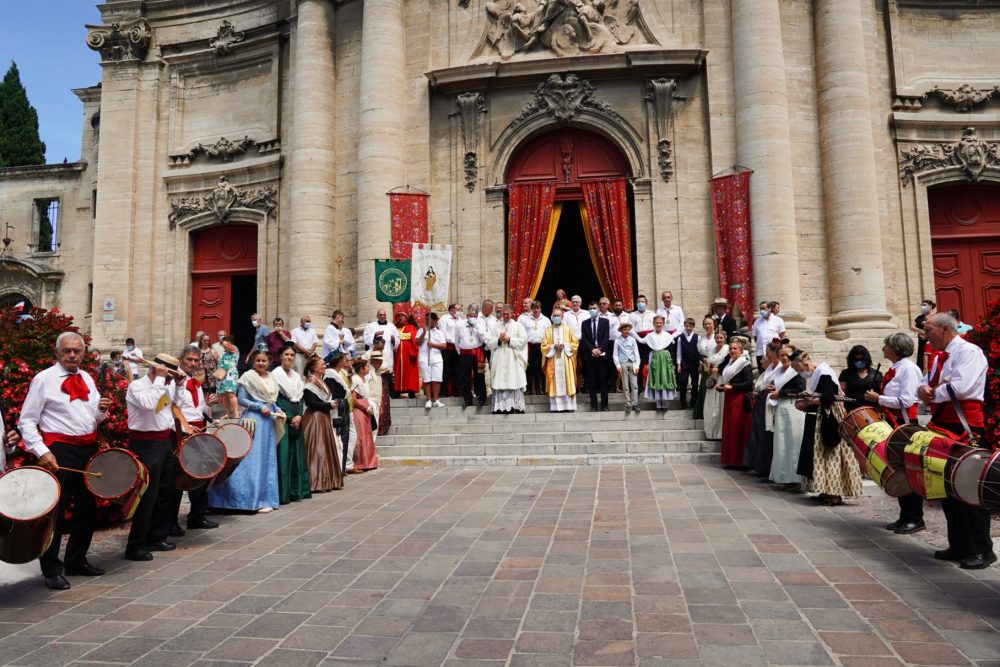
{"x": 58, "y": 422}
{"x": 723, "y": 320}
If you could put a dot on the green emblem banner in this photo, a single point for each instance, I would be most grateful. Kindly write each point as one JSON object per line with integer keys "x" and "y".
{"x": 392, "y": 280}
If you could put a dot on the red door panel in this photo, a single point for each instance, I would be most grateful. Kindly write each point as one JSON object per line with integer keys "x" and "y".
{"x": 210, "y": 303}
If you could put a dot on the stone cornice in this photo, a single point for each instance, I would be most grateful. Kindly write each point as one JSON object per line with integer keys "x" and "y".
{"x": 59, "y": 170}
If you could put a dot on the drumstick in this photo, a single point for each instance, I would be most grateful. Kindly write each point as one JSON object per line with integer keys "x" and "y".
{"x": 82, "y": 472}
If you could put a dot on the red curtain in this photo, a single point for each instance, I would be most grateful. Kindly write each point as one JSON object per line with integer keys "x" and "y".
{"x": 731, "y": 213}
{"x": 408, "y": 215}
{"x": 606, "y": 204}
{"x": 527, "y": 236}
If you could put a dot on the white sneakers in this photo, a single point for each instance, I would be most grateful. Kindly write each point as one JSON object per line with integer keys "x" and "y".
{"x": 428, "y": 405}
{"x": 438, "y": 404}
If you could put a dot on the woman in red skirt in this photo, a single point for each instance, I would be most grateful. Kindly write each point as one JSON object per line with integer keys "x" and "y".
{"x": 736, "y": 383}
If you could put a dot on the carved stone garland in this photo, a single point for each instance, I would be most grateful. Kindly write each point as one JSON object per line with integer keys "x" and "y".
{"x": 470, "y": 107}
{"x": 224, "y": 150}
{"x": 661, "y": 96}
{"x": 120, "y": 42}
{"x": 563, "y": 98}
{"x": 963, "y": 99}
{"x": 226, "y": 38}
{"x": 221, "y": 202}
{"x": 970, "y": 153}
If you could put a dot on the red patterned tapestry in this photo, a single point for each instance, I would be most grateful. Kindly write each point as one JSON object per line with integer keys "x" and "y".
{"x": 527, "y": 236}
{"x": 731, "y": 213}
{"x": 607, "y": 219}
{"x": 408, "y": 212}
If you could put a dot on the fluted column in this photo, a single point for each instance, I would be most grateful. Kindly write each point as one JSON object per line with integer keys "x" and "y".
{"x": 313, "y": 161}
{"x": 763, "y": 144}
{"x": 854, "y": 240}
{"x": 381, "y": 138}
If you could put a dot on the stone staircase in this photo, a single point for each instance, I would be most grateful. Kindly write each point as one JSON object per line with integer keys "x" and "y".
{"x": 455, "y": 435}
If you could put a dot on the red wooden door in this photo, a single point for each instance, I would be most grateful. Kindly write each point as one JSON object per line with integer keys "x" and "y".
{"x": 210, "y": 303}
{"x": 965, "y": 237}
{"x": 219, "y": 254}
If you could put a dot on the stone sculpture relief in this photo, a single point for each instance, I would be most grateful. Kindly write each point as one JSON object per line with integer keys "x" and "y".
{"x": 120, "y": 42}
{"x": 965, "y": 97}
{"x": 566, "y": 27}
{"x": 470, "y": 107}
{"x": 970, "y": 153}
{"x": 226, "y": 38}
{"x": 562, "y": 98}
{"x": 224, "y": 150}
{"x": 221, "y": 202}
{"x": 661, "y": 96}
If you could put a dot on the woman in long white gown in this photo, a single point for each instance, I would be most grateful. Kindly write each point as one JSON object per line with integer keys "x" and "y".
{"x": 713, "y": 399}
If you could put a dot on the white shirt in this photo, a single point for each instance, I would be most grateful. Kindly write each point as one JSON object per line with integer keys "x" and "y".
{"x": 143, "y": 398}
{"x": 642, "y": 321}
{"x": 390, "y": 335}
{"x": 470, "y": 337}
{"x": 48, "y": 409}
{"x": 305, "y": 338}
{"x": 331, "y": 340}
{"x": 657, "y": 341}
{"x": 485, "y": 324}
{"x": 448, "y": 325}
{"x": 764, "y": 331}
{"x": 575, "y": 320}
{"x": 534, "y": 326}
{"x": 431, "y": 355}
{"x": 965, "y": 370}
{"x": 901, "y": 391}
{"x": 673, "y": 318}
{"x": 706, "y": 345}
{"x": 136, "y": 353}
{"x": 613, "y": 323}
{"x": 182, "y": 397}
{"x": 218, "y": 349}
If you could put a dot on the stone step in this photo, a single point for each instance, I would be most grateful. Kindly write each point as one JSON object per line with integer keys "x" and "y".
{"x": 614, "y": 432}
{"x": 555, "y": 460}
{"x": 431, "y": 426}
{"x": 458, "y": 411}
{"x": 549, "y": 449}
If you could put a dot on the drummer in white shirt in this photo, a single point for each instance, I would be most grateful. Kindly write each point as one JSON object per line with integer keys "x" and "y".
{"x": 534, "y": 324}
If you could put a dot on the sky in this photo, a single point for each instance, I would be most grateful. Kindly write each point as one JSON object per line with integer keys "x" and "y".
{"x": 47, "y": 40}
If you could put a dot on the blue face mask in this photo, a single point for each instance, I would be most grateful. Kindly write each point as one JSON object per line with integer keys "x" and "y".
{"x": 641, "y": 307}
{"x": 860, "y": 364}
{"x": 556, "y": 319}
{"x": 593, "y": 312}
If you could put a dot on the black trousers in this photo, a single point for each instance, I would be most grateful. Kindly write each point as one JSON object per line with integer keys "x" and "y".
{"x": 81, "y": 528}
{"x": 911, "y": 508}
{"x": 469, "y": 379}
{"x": 643, "y": 362}
{"x": 536, "y": 379}
{"x": 449, "y": 357}
{"x": 968, "y": 526}
{"x": 155, "y": 513}
{"x": 198, "y": 509}
{"x": 689, "y": 373}
{"x": 596, "y": 370}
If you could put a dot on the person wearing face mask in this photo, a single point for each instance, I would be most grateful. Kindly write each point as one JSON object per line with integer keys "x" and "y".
{"x": 130, "y": 353}
{"x": 858, "y": 377}
{"x": 471, "y": 359}
{"x": 384, "y": 330}
{"x": 559, "y": 348}
{"x": 927, "y": 307}
{"x": 767, "y": 327}
{"x": 535, "y": 324}
{"x": 217, "y": 345}
{"x": 260, "y": 333}
{"x": 305, "y": 340}
{"x": 595, "y": 346}
{"x": 508, "y": 343}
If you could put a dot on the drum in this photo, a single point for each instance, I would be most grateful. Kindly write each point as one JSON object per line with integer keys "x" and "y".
{"x": 896, "y": 445}
{"x": 123, "y": 478}
{"x": 857, "y": 419}
{"x": 989, "y": 483}
{"x": 29, "y": 499}
{"x": 928, "y": 459}
{"x": 238, "y": 442}
{"x": 965, "y": 473}
{"x": 867, "y": 437}
{"x": 871, "y": 447}
{"x": 199, "y": 459}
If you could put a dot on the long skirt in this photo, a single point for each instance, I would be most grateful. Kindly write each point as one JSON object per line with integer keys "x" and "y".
{"x": 364, "y": 450}
{"x": 713, "y": 413}
{"x": 293, "y": 473}
{"x": 254, "y": 483}
{"x": 806, "y": 458}
{"x": 661, "y": 383}
{"x": 322, "y": 451}
{"x": 384, "y": 412}
{"x": 759, "y": 443}
{"x": 789, "y": 424}
{"x": 735, "y": 428}
{"x": 835, "y": 469}
{"x": 699, "y": 405}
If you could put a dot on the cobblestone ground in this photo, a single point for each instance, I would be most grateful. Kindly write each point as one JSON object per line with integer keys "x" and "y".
{"x": 649, "y": 565}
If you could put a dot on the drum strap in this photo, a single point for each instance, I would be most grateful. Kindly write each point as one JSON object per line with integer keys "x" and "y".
{"x": 957, "y": 407}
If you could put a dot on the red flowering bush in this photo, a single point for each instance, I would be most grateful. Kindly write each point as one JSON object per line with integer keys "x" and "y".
{"x": 986, "y": 335}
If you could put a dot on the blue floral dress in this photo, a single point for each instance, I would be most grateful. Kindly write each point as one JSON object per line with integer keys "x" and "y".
{"x": 228, "y": 363}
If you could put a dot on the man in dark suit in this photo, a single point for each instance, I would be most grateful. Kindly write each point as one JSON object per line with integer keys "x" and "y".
{"x": 688, "y": 361}
{"x": 595, "y": 343}
{"x": 723, "y": 320}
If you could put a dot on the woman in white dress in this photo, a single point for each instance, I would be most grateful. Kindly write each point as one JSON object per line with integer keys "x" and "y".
{"x": 661, "y": 383}
{"x": 713, "y": 399}
{"x": 788, "y": 422}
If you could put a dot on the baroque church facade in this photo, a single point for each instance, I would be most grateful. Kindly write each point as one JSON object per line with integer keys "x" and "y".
{"x": 237, "y": 155}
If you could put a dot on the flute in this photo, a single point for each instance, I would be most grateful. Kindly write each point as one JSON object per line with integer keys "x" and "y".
{"x": 178, "y": 375}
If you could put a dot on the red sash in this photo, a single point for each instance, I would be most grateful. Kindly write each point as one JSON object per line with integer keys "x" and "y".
{"x": 198, "y": 424}
{"x": 164, "y": 435}
{"x": 944, "y": 413}
{"x": 76, "y": 440}
{"x": 476, "y": 352}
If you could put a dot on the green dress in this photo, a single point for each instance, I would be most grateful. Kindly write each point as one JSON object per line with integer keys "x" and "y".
{"x": 293, "y": 475}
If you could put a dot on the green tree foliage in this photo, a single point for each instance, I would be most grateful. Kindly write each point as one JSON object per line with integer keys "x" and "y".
{"x": 20, "y": 143}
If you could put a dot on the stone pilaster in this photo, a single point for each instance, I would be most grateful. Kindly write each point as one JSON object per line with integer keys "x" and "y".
{"x": 763, "y": 144}
{"x": 854, "y": 239}
{"x": 313, "y": 172}
{"x": 381, "y": 124}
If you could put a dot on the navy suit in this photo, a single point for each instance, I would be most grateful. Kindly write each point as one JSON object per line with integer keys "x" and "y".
{"x": 689, "y": 359}
{"x": 596, "y": 368}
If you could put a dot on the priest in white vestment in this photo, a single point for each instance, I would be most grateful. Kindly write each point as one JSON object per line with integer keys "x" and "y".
{"x": 508, "y": 343}
{"x": 559, "y": 347}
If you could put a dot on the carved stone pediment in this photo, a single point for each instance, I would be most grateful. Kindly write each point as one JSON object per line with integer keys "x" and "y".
{"x": 221, "y": 201}
{"x": 965, "y": 97}
{"x": 121, "y": 42}
{"x": 970, "y": 153}
{"x": 226, "y": 38}
{"x": 563, "y": 98}
{"x": 224, "y": 150}
{"x": 566, "y": 27}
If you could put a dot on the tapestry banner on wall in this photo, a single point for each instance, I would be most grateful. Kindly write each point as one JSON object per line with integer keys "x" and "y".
{"x": 731, "y": 214}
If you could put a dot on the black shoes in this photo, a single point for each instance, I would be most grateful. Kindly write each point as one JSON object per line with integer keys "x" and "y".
{"x": 978, "y": 561}
{"x": 910, "y": 527}
{"x": 162, "y": 545}
{"x": 85, "y": 570}
{"x": 139, "y": 555}
{"x": 948, "y": 554}
{"x": 57, "y": 583}
{"x": 176, "y": 531}
{"x": 202, "y": 524}
{"x": 894, "y": 525}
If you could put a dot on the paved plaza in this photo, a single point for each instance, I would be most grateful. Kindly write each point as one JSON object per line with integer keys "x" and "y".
{"x": 588, "y": 565}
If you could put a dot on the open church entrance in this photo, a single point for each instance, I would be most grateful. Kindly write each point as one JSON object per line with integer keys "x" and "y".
{"x": 224, "y": 282}
{"x": 569, "y": 219}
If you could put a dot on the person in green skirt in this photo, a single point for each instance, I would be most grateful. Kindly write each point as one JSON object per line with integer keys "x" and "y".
{"x": 293, "y": 474}
{"x": 661, "y": 384}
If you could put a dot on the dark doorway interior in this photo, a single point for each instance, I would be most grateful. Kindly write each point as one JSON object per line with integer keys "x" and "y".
{"x": 569, "y": 266}
{"x": 244, "y": 304}
{"x": 14, "y": 299}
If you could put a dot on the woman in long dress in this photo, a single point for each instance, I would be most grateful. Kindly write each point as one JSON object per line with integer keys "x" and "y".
{"x": 759, "y": 448}
{"x": 227, "y": 385}
{"x": 293, "y": 473}
{"x": 705, "y": 345}
{"x": 787, "y": 422}
{"x": 661, "y": 383}
{"x": 406, "y": 368}
{"x": 365, "y": 457}
{"x": 834, "y": 470}
{"x": 737, "y": 381}
{"x": 713, "y": 399}
{"x": 253, "y": 485}
{"x": 323, "y": 445}
{"x": 338, "y": 381}
{"x": 209, "y": 362}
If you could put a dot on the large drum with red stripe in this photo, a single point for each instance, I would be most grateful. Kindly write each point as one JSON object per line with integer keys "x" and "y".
{"x": 29, "y": 498}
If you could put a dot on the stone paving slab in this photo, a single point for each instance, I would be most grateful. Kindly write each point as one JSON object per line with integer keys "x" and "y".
{"x": 679, "y": 564}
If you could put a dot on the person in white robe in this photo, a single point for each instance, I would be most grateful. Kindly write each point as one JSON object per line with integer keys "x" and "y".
{"x": 559, "y": 347}
{"x": 786, "y": 421}
{"x": 713, "y": 399}
{"x": 508, "y": 343}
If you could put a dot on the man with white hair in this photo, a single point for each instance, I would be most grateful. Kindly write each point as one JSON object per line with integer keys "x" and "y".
{"x": 58, "y": 422}
{"x": 576, "y": 316}
{"x": 383, "y": 330}
{"x": 305, "y": 340}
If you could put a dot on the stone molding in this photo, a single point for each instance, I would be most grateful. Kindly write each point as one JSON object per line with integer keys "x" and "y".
{"x": 226, "y": 38}
{"x": 121, "y": 42}
{"x": 971, "y": 155}
{"x": 471, "y": 107}
{"x": 962, "y": 99}
{"x": 222, "y": 201}
{"x": 563, "y": 97}
{"x": 661, "y": 96}
{"x": 224, "y": 150}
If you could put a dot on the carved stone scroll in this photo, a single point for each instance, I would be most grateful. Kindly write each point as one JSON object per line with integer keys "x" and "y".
{"x": 120, "y": 42}
{"x": 226, "y": 38}
{"x": 965, "y": 97}
{"x": 221, "y": 202}
{"x": 661, "y": 96}
{"x": 563, "y": 98}
{"x": 970, "y": 153}
{"x": 470, "y": 107}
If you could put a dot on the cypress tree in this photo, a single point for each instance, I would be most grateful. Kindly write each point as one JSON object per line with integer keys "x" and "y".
{"x": 20, "y": 143}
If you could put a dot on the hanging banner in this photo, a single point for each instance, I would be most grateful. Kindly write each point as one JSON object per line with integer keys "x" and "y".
{"x": 731, "y": 214}
{"x": 430, "y": 275}
{"x": 408, "y": 217}
{"x": 392, "y": 280}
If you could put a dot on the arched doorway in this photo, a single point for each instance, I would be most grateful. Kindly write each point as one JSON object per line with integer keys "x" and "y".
{"x": 965, "y": 241}
{"x": 13, "y": 298}
{"x": 224, "y": 282}
{"x": 569, "y": 219}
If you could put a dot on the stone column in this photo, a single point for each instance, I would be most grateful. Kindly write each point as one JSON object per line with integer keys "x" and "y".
{"x": 381, "y": 138}
{"x": 763, "y": 144}
{"x": 313, "y": 167}
{"x": 854, "y": 240}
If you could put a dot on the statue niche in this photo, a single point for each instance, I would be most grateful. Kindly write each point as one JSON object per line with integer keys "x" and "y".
{"x": 566, "y": 27}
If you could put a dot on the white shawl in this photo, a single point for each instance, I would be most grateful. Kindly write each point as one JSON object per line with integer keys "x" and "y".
{"x": 781, "y": 378}
{"x": 359, "y": 385}
{"x": 339, "y": 377}
{"x": 263, "y": 388}
{"x": 734, "y": 367}
{"x": 821, "y": 370}
{"x": 765, "y": 378}
{"x": 320, "y": 389}
{"x": 716, "y": 358}
{"x": 290, "y": 384}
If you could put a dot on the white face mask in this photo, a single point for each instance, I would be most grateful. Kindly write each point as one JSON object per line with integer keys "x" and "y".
{"x": 924, "y": 308}
{"x": 255, "y": 323}
{"x": 307, "y": 325}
